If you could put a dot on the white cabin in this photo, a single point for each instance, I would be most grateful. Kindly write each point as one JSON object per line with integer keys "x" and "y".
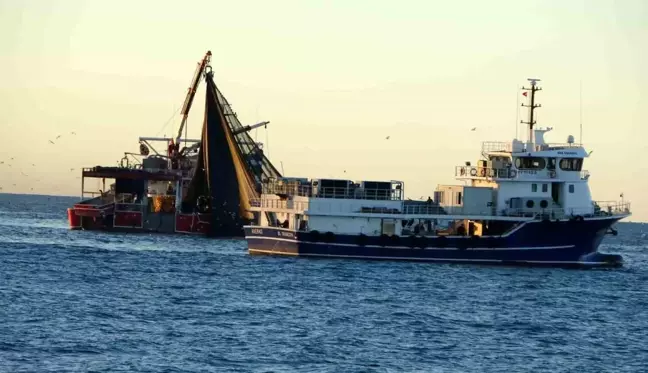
{"x": 530, "y": 178}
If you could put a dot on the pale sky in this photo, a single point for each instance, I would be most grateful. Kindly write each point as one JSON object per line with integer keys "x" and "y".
{"x": 333, "y": 77}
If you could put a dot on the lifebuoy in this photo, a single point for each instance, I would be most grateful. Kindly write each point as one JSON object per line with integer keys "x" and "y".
{"x": 512, "y": 173}
{"x": 463, "y": 171}
{"x": 473, "y": 172}
{"x": 482, "y": 172}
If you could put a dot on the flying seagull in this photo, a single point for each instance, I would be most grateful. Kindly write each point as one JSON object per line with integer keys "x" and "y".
{"x": 387, "y": 138}
{"x": 474, "y": 128}
{"x": 51, "y": 142}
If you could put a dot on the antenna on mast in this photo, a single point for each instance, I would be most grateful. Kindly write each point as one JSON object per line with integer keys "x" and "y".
{"x": 517, "y": 111}
{"x": 580, "y": 137}
{"x": 532, "y": 105}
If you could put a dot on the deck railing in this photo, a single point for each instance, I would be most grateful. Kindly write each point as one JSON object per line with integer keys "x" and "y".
{"x": 507, "y": 147}
{"x": 337, "y": 193}
{"x": 496, "y": 146}
{"x": 485, "y": 172}
{"x": 605, "y": 208}
{"x": 276, "y": 204}
{"x": 507, "y": 173}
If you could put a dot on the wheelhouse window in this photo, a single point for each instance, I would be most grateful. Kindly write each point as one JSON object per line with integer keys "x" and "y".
{"x": 571, "y": 164}
{"x": 571, "y": 188}
{"x": 534, "y": 188}
{"x": 530, "y": 163}
{"x": 545, "y": 188}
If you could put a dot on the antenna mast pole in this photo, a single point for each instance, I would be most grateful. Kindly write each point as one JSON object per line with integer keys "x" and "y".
{"x": 532, "y": 106}
{"x": 580, "y": 137}
{"x": 517, "y": 111}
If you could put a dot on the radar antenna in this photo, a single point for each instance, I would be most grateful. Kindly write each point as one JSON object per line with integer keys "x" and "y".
{"x": 532, "y": 105}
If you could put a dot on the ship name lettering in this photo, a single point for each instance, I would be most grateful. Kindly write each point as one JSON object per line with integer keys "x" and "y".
{"x": 286, "y": 234}
{"x": 257, "y": 231}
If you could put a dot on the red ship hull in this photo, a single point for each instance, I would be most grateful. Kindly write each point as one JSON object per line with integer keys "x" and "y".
{"x": 83, "y": 218}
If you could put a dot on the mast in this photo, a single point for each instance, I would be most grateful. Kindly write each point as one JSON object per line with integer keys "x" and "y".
{"x": 532, "y": 106}
{"x": 191, "y": 93}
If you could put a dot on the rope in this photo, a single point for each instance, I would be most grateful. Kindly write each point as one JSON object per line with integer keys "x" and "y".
{"x": 175, "y": 112}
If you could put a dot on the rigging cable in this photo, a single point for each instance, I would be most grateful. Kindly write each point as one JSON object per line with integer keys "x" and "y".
{"x": 175, "y": 112}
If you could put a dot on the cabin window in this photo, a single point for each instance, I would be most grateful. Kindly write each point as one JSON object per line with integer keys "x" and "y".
{"x": 571, "y": 164}
{"x": 458, "y": 198}
{"x": 534, "y": 188}
{"x": 530, "y": 163}
{"x": 545, "y": 188}
{"x": 571, "y": 188}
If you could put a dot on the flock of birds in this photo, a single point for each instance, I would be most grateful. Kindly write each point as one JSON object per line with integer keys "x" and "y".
{"x": 8, "y": 163}
{"x": 52, "y": 142}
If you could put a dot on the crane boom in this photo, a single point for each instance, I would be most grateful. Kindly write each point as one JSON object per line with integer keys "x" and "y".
{"x": 250, "y": 127}
{"x": 191, "y": 93}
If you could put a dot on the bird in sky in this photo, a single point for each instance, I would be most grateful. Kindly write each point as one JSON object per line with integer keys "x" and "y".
{"x": 51, "y": 142}
{"x": 58, "y": 137}
{"x": 474, "y": 128}
{"x": 387, "y": 138}
{"x": 72, "y": 133}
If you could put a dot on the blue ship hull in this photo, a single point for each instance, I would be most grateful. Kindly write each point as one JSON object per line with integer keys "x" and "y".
{"x": 568, "y": 243}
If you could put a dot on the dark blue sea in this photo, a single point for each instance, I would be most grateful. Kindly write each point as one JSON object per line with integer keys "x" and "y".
{"x": 74, "y": 301}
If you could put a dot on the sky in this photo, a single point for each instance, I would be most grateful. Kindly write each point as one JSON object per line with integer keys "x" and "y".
{"x": 334, "y": 78}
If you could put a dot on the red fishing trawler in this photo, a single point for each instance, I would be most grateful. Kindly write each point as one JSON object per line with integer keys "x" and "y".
{"x": 181, "y": 185}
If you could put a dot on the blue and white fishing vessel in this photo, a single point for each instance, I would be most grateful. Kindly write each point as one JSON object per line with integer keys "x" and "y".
{"x": 523, "y": 203}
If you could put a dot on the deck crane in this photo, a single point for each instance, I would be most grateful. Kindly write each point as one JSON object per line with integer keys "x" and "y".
{"x": 204, "y": 69}
{"x": 191, "y": 93}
